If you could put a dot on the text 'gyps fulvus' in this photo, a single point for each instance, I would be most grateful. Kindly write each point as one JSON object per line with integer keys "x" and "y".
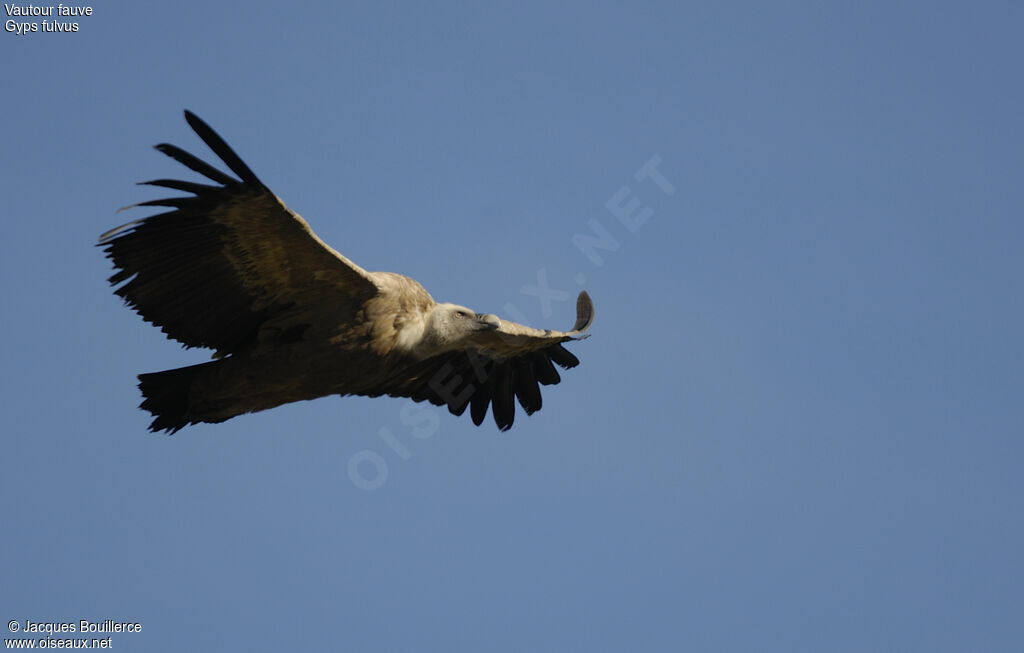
{"x": 233, "y": 269}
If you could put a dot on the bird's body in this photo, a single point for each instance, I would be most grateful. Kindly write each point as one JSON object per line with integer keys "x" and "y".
{"x": 232, "y": 269}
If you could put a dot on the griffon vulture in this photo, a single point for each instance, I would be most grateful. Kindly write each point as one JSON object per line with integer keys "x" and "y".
{"x": 231, "y": 268}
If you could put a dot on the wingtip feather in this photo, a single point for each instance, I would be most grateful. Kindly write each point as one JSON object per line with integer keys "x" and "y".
{"x": 584, "y": 312}
{"x": 220, "y": 147}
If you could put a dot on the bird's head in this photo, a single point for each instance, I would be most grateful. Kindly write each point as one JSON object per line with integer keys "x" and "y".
{"x": 450, "y": 326}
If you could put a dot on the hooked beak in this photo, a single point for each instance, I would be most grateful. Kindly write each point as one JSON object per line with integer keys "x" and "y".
{"x": 488, "y": 322}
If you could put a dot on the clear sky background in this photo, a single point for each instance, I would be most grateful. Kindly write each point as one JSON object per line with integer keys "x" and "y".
{"x": 797, "y": 425}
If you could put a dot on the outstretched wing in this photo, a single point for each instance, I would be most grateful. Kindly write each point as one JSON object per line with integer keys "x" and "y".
{"x": 496, "y": 369}
{"x": 227, "y": 259}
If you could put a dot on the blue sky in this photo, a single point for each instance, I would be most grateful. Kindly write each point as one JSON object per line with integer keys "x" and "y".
{"x": 796, "y": 426}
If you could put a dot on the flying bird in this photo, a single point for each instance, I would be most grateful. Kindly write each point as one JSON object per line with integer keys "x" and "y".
{"x": 230, "y": 268}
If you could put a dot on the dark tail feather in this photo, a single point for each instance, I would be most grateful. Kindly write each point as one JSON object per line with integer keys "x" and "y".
{"x": 166, "y": 396}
